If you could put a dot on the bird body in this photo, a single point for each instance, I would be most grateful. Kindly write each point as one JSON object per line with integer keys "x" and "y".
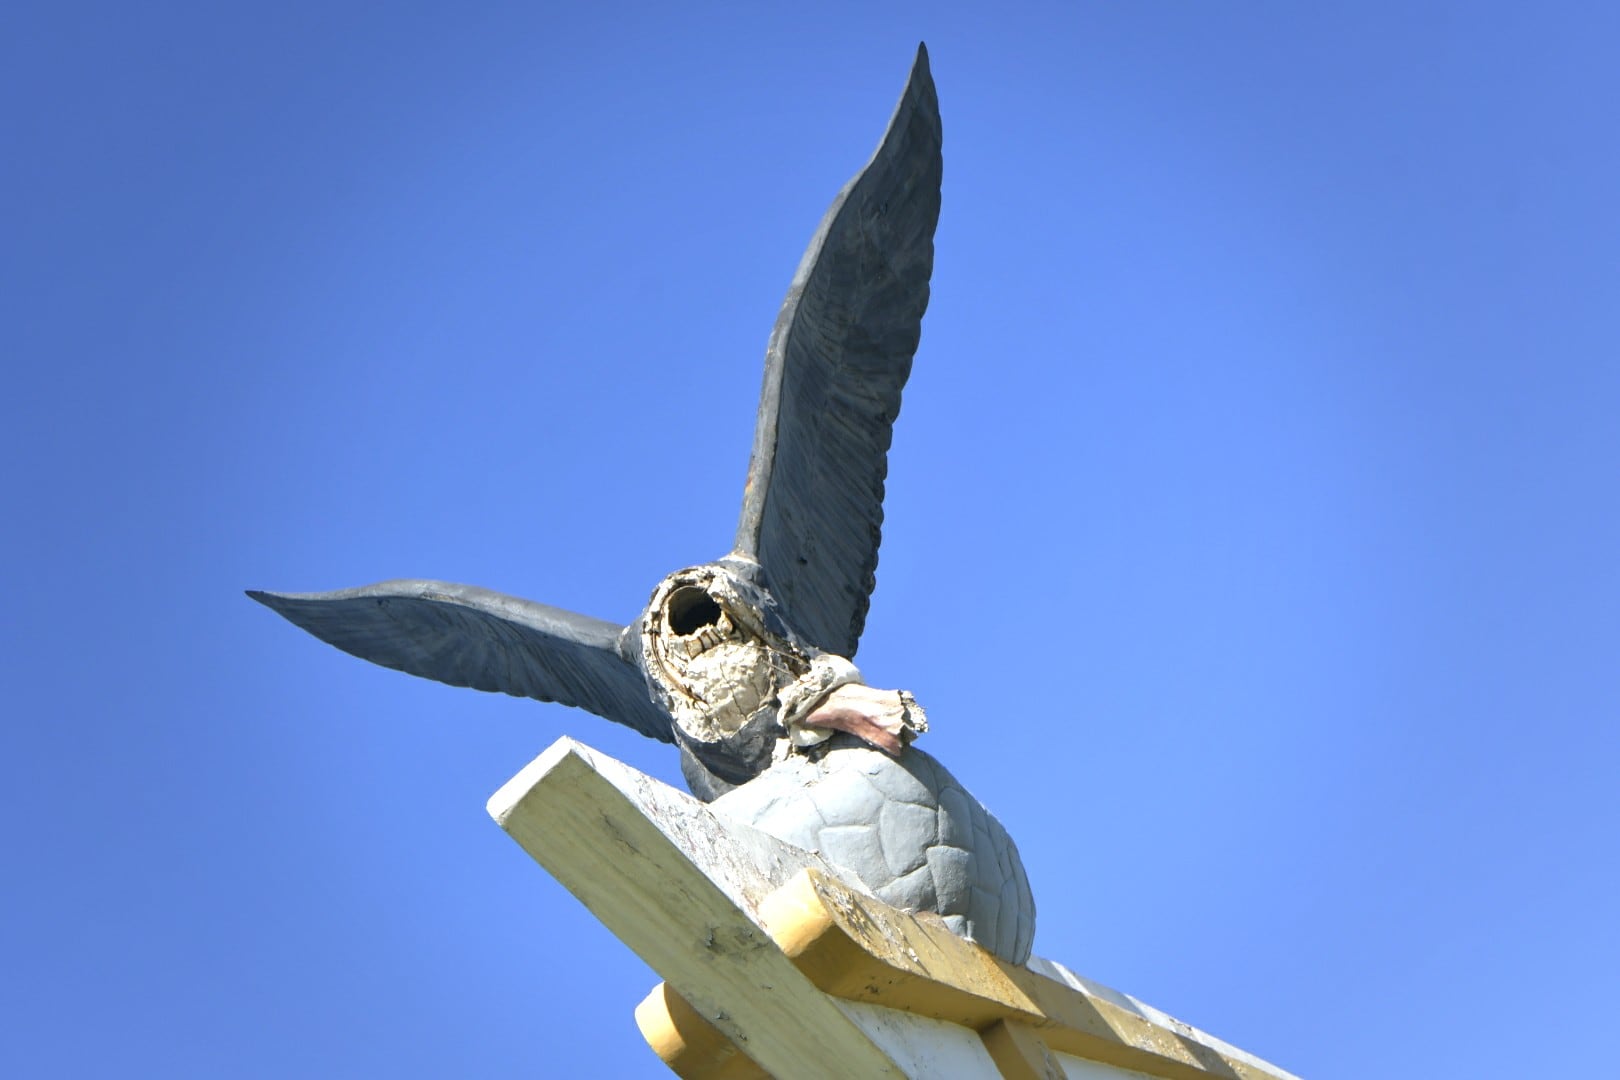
{"x": 904, "y": 829}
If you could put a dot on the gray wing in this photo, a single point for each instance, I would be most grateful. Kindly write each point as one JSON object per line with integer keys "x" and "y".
{"x": 467, "y": 636}
{"x": 838, "y": 358}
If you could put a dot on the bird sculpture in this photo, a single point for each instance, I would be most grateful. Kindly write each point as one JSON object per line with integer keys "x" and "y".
{"x": 745, "y": 663}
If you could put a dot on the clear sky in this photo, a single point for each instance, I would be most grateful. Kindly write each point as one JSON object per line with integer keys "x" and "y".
{"x": 1252, "y": 531}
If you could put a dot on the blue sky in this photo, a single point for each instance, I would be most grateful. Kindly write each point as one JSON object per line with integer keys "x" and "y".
{"x": 1251, "y": 533}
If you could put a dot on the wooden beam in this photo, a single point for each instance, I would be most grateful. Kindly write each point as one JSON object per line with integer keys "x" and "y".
{"x": 1019, "y": 1053}
{"x": 693, "y": 1048}
{"x": 675, "y": 885}
{"x": 855, "y": 947}
{"x": 775, "y": 967}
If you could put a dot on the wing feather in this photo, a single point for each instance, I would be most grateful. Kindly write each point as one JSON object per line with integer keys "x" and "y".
{"x": 838, "y": 358}
{"x": 466, "y": 636}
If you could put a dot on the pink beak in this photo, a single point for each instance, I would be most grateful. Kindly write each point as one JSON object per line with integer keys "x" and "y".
{"x": 858, "y": 724}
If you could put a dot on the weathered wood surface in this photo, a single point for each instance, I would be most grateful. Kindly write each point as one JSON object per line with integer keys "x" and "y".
{"x": 775, "y": 966}
{"x": 675, "y": 885}
{"x": 857, "y": 948}
{"x": 685, "y": 1041}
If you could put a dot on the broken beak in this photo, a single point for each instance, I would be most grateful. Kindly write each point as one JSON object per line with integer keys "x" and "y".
{"x": 885, "y": 719}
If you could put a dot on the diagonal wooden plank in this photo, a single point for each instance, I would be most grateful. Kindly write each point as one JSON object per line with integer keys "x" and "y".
{"x": 680, "y": 887}
{"x": 755, "y": 934}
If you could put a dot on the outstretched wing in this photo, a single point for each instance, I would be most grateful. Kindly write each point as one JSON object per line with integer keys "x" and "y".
{"x": 838, "y": 358}
{"x": 467, "y": 636}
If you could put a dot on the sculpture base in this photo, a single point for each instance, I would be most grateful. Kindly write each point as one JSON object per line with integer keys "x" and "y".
{"x": 775, "y": 967}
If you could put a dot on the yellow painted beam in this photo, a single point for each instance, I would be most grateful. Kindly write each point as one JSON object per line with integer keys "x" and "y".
{"x": 693, "y": 1048}
{"x": 1019, "y": 1053}
{"x": 860, "y": 949}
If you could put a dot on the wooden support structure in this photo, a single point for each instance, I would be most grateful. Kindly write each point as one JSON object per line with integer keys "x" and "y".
{"x": 774, "y": 967}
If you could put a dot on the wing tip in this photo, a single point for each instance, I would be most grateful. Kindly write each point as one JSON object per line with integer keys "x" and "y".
{"x": 921, "y": 81}
{"x": 276, "y": 601}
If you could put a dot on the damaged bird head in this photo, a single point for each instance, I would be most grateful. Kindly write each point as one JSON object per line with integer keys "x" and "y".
{"x": 741, "y": 686}
{"x": 715, "y": 663}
